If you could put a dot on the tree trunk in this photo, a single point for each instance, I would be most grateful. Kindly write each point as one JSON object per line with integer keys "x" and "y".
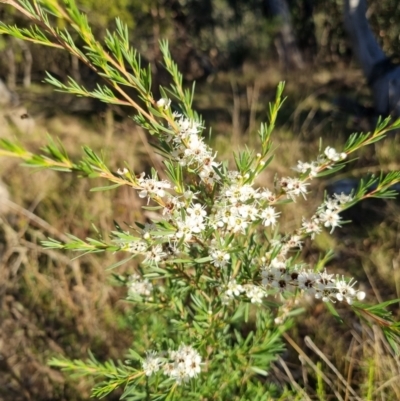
{"x": 285, "y": 43}
{"x": 5, "y": 95}
{"x": 383, "y": 76}
{"x": 26, "y": 51}
{"x": 12, "y": 68}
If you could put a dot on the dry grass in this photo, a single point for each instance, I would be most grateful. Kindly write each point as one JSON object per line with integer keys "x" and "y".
{"x": 51, "y": 304}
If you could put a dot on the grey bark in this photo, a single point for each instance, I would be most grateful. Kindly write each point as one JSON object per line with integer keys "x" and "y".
{"x": 383, "y": 76}
{"x": 12, "y": 69}
{"x": 27, "y": 63}
{"x": 75, "y": 69}
{"x": 285, "y": 42}
{"x": 12, "y": 65}
{"x": 6, "y": 96}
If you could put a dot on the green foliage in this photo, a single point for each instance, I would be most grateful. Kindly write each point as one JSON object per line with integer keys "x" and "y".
{"x": 213, "y": 257}
{"x": 116, "y": 375}
{"x": 380, "y": 314}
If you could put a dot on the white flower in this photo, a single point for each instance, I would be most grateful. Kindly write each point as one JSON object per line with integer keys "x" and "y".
{"x": 330, "y": 218}
{"x": 311, "y": 227}
{"x": 154, "y": 255}
{"x": 299, "y": 188}
{"x": 122, "y": 171}
{"x": 343, "y": 198}
{"x": 138, "y": 286}
{"x": 331, "y": 204}
{"x": 184, "y": 231}
{"x": 276, "y": 277}
{"x": 248, "y": 212}
{"x": 239, "y": 193}
{"x": 194, "y": 220}
{"x": 334, "y": 156}
{"x": 151, "y": 364}
{"x": 294, "y": 242}
{"x": 208, "y": 175}
{"x": 269, "y": 216}
{"x": 137, "y": 246}
{"x": 346, "y": 290}
{"x": 268, "y": 195}
{"x": 294, "y": 187}
{"x": 233, "y": 288}
{"x": 304, "y": 167}
{"x": 173, "y": 204}
{"x": 224, "y": 215}
{"x": 325, "y": 295}
{"x": 306, "y": 280}
{"x": 196, "y": 148}
{"x": 197, "y": 212}
{"x": 164, "y": 103}
{"x": 322, "y": 285}
{"x": 195, "y": 224}
{"x": 254, "y": 293}
{"x": 184, "y": 364}
{"x": 179, "y": 155}
{"x": 233, "y": 176}
{"x": 187, "y": 127}
{"x": 246, "y": 192}
{"x": 331, "y": 154}
{"x": 151, "y": 187}
{"x": 219, "y": 257}
{"x": 237, "y": 224}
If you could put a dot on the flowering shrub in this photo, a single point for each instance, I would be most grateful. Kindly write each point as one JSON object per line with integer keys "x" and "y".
{"x": 214, "y": 259}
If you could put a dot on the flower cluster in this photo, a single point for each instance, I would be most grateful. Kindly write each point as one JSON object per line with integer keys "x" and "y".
{"x": 293, "y": 187}
{"x": 330, "y": 156}
{"x": 192, "y": 223}
{"x": 233, "y": 289}
{"x": 152, "y": 254}
{"x": 189, "y": 149}
{"x": 328, "y": 214}
{"x": 319, "y": 284}
{"x": 219, "y": 257}
{"x": 237, "y": 206}
{"x": 240, "y": 205}
{"x": 164, "y": 103}
{"x": 333, "y": 155}
{"x": 180, "y": 365}
{"x": 152, "y": 188}
{"x": 138, "y": 286}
